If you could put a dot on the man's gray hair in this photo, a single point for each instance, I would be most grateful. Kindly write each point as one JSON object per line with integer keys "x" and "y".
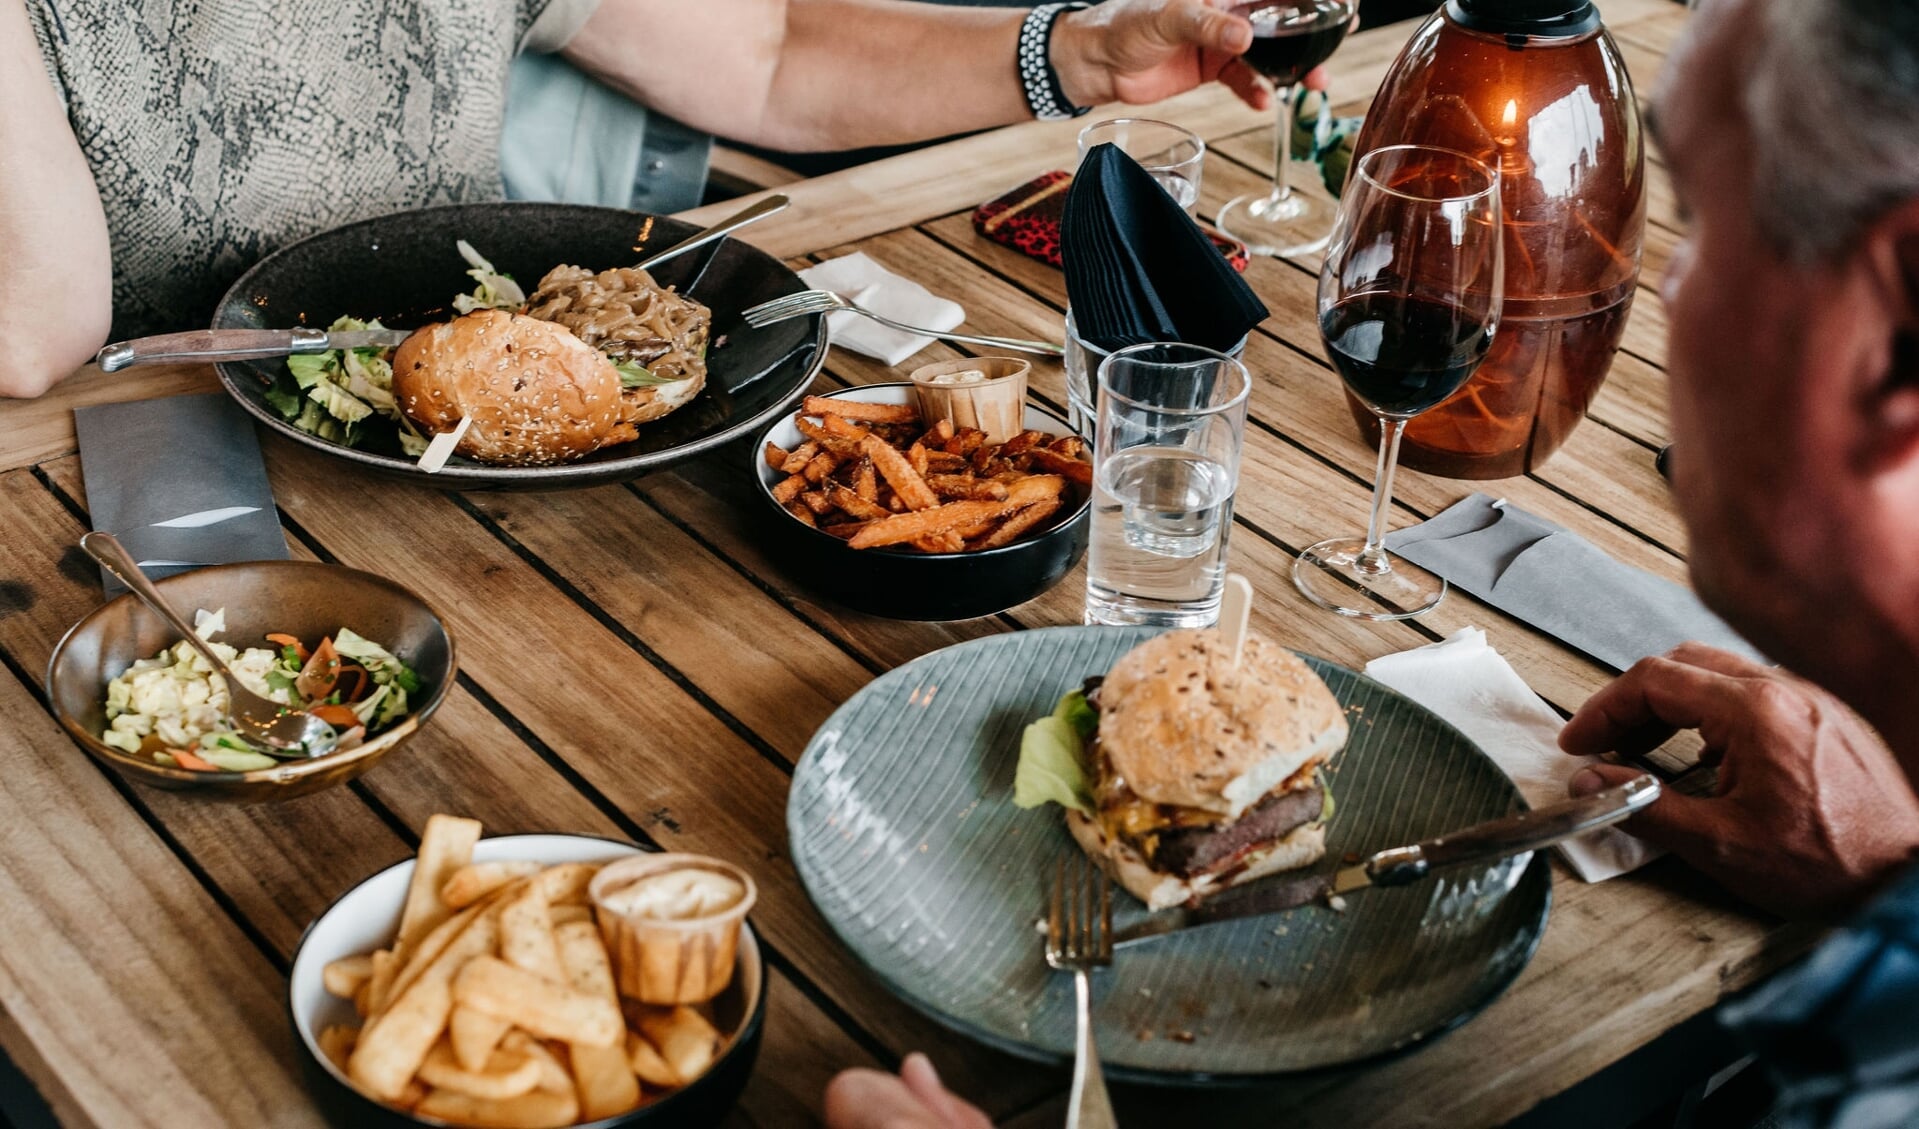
{"x": 1832, "y": 98}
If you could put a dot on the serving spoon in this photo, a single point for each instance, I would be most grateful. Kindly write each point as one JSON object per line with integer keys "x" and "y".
{"x": 280, "y": 731}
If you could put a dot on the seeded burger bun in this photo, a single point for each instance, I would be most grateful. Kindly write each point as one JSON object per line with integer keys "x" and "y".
{"x": 1207, "y": 775}
{"x": 537, "y": 394}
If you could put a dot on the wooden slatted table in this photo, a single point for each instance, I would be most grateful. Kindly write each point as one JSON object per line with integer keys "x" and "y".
{"x": 636, "y": 664}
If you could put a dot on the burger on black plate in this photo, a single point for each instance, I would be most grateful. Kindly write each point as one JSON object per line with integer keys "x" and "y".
{"x": 1182, "y": 774}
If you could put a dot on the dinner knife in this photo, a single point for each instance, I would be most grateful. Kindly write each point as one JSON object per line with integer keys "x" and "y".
{"x": 1492, "y": 841}
{"x": 241, "y": 345}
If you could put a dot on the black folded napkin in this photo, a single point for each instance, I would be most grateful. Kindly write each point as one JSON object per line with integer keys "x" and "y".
{"x": 1139, "y": 269}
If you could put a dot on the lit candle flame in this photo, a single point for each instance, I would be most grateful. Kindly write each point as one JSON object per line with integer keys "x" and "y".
{"x": 1511, "y": 116}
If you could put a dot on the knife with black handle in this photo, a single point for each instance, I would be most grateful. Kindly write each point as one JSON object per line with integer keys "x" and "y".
{"x": 1513, "y": 835}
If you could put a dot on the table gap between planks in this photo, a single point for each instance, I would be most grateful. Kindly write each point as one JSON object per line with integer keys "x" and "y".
{"x": 636, "y": 663}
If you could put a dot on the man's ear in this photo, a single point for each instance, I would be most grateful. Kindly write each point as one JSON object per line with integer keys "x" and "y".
{"x": 1892, "y": 255}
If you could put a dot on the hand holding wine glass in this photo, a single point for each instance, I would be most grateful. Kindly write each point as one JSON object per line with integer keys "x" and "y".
{"x": 1290, "y": 39}
{"x": 1409, "y": 300}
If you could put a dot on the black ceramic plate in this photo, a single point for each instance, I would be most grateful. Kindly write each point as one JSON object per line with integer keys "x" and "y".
{"x": 404, "y": 270}
{"x": 902, "y": 584}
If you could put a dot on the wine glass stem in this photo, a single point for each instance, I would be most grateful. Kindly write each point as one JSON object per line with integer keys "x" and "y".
{"x": 1285, "y": 98}
{"x": 1372, "y": 559}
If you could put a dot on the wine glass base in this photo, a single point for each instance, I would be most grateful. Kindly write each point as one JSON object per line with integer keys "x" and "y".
{"x": 1329, "y": 574}
{"x": 1298, "y": 223}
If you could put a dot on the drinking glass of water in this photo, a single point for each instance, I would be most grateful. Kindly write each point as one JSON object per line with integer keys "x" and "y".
{"x": 1166, "y": 450}
{"x": 1173, "y": 156}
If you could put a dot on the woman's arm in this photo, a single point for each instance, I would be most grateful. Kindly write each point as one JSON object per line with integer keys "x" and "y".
{"x": 834, "y": 74}
{"x": 56, "y": 282}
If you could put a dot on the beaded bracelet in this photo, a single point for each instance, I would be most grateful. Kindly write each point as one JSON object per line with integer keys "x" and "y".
{"x": 1044, "y": 94}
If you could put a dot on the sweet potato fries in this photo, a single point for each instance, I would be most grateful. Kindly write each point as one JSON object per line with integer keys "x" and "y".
{"x": 873, "y": 475}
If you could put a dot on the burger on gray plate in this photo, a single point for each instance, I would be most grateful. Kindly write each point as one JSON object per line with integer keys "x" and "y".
{"x": 1183, "y": 775}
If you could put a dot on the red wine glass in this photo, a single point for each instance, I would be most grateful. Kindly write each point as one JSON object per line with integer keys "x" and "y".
{"x": 1290, "y": 38}
{"x": 1409, "y": 300}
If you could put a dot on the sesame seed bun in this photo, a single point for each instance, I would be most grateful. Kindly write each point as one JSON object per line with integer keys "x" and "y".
{"x": 1180, "y": 726}
{"x": 536, "y": 393}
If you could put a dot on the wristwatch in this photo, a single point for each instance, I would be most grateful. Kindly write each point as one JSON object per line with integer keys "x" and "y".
{"x": 1044, "y": 94}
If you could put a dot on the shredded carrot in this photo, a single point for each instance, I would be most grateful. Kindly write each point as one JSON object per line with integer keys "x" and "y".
{"x": 299, "y": 648}
{"x": 339, "y": 717}
{"x": 361, "y": 683}
{"x": 320, "y": 673}
{"x": 189, "y": 760}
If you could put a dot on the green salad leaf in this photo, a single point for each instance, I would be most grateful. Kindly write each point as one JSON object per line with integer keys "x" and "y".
{"x": 332, "y": 394}
{"x": 639, "y": 376}
{"x": 309, "y": 369}
{"x": 285, "y": 398}
{"x": 1052, "y": 758}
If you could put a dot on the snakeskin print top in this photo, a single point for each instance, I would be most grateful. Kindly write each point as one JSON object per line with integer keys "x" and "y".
{"x": 221, "y": 130}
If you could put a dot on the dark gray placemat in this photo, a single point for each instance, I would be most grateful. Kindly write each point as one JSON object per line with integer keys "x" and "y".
{"x": 1560, "y": 583}
{"x": 179, "y": 481}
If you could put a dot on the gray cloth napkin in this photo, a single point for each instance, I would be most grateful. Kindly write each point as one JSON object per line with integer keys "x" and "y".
{"x": 1558, "y": 582}
{"x": 179, "y": 481}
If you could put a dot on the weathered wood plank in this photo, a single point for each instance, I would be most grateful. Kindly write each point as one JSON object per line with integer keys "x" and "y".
{"x": 122, "y": 979}
{"x": 642, "y": 737}
{"x": 33, "y": 431}
{"x": 282, "y": 865}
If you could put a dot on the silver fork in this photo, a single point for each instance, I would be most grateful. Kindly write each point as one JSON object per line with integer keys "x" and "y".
{"x": 825, "y": 301}
{"x": 1079, "y": 938}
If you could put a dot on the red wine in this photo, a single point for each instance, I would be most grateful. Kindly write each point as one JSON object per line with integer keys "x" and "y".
{"x": 1291, "y": 37}
{"x": 1402, "y": 355}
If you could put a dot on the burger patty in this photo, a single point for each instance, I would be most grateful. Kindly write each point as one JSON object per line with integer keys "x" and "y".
{"x": 1186, "y": 851}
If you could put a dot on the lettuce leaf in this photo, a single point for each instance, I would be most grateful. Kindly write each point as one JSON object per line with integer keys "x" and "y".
{"x": 285, "y": 397}
{"x": 339, "y": 403}
{"x": 1052, "y": 758}
{"x": 1077, "y": 712}
{"x": 310, "y": 369}
{"x": 639, "y": 376}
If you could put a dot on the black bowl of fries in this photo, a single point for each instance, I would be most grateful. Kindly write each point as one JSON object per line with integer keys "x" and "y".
{"x": 412, "y": 1005}
{"x": 893, "y": 517}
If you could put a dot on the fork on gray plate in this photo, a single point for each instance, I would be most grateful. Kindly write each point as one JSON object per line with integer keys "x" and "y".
{"x": 1079, "y": 938}
{"x": 826, "y": 301}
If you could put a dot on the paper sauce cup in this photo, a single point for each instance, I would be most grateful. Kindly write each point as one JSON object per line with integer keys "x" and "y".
{"x": 670, "y": 960}
{"x": 994, "y": 403}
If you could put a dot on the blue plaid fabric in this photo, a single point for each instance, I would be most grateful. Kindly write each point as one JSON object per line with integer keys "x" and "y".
{"x": 1840, "y": 1031}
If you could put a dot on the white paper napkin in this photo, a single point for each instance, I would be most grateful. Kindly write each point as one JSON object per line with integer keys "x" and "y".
{"x": 880, "y": 290}
{"x": 1465, "y": 681}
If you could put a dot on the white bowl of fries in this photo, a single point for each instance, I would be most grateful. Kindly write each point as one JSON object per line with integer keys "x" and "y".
{"x": 895, "y": 517}
{"x": 413, "y": 1002}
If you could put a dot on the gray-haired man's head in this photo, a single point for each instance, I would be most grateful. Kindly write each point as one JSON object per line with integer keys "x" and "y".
{"x": 1832, "y": 99}
{"x": 1791, "y": 132}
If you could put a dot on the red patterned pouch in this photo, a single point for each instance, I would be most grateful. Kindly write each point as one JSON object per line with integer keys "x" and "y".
{"x": 1027, "y": 220}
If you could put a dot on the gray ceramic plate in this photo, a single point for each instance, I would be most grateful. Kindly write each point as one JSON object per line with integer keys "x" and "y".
{"x": 905, "y": 835}
{"x": 404, "y": 269}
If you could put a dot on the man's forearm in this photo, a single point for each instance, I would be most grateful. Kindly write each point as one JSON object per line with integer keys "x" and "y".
{"x": 876, "y": 72}
{"x": 812, "y": 74}
{"x": 56, "y": 296}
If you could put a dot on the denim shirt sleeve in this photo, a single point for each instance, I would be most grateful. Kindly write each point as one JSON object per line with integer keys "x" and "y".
{"x": 1840, "y": 1031}
{"x": 569, "y": 137}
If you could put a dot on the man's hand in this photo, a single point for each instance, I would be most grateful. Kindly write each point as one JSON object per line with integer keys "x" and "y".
{"x": 869, "y": 1099}
{"x": 1812, "y": 814}
{"x": 1145, "y": 50}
